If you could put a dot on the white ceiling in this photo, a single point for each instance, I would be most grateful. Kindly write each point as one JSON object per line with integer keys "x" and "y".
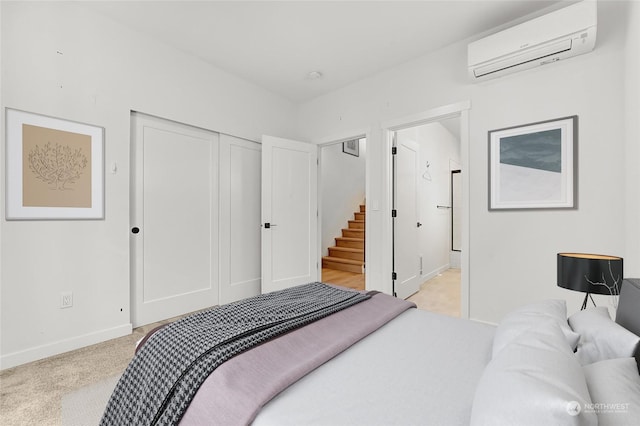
{"x": 275, "y": 44}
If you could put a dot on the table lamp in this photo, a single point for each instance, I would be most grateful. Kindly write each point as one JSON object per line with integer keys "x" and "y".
{"x": 590, "y": 274}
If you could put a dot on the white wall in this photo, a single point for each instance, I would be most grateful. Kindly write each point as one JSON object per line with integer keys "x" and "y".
{"x": 437, "y": 147}
{"x": 343, "y": 187}
{"x": 103, "y": 71}
{"x": 512, "y": 254}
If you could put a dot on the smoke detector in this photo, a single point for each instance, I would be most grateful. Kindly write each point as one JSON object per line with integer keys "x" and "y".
{"x": 314, "y": 75}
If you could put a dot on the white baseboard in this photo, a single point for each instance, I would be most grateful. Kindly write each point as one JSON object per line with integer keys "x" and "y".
{"x": 434, "y": 273}
{"x": 43, "y": 351}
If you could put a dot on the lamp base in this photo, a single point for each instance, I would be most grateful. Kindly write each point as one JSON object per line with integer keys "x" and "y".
{"x": 584, "y": 302}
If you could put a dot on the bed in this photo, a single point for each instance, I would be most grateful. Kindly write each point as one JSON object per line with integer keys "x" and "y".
{"x": 378, "y": 361}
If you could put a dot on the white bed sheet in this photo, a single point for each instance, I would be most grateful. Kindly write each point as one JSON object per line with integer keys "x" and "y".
{"x": 420, "y": 369}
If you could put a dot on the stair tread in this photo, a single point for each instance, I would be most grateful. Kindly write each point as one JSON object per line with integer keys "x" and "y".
{"x": 348, "y": 253}
{"x": 342, "y": 260}
{"x": 353, "y": 250}
{"x": 353, "y": 232}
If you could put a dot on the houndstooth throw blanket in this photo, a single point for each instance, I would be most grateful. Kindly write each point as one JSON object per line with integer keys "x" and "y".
{"x": 165, "y": 374}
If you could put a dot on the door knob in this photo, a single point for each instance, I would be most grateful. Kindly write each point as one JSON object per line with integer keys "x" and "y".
{"x": 135, "y": 230}
{"x": 268, "y": 225}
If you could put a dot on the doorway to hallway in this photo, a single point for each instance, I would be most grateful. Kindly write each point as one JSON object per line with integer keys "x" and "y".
{"x": 459, "y": 111}
{"x": 424, "y": 158}
{"x": 343, "y": 211}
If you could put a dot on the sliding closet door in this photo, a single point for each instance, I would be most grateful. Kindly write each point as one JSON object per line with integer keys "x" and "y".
{"x": 240, "y": 175}
{"x": 174, "y": 219}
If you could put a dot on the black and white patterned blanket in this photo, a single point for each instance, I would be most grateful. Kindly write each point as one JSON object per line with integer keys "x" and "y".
{"x": 162, "y": 378}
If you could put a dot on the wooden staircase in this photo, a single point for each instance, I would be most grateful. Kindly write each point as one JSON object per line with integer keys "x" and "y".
{"x": 348, "y": 253}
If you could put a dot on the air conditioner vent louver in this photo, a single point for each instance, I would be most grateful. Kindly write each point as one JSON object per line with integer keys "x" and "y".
{"x": 529, "y": 56}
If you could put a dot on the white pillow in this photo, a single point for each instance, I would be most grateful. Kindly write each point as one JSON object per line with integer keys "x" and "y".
{"x": 534, "y": 380}
{"x": 530, "y": 316}
{"x": 600, "y": 337}
{"x": 614, "y": 386}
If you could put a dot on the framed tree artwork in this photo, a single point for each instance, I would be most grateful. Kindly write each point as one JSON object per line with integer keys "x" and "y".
{"x": 55, "y": 168}
{"x": 534, "y": 166}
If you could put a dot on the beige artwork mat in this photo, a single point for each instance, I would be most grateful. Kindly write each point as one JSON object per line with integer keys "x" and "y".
{"x": 56, "y": 168}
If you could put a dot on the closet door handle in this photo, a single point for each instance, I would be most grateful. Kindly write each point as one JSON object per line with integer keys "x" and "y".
{"x": 268, "y": 225}
{"x": 135, "y": 230}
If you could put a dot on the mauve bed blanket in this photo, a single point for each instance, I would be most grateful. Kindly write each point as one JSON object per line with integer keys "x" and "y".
{"x": 236, "y": 391}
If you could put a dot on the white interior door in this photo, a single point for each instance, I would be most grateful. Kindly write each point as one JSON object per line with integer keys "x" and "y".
{"x": 174, "y": 219}
{"x": 240, "y": 205}
{"x": 406, "y": 222}
{"x": 289, "y": 213}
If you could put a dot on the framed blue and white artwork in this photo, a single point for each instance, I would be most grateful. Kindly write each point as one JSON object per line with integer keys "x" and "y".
{"x": 534, "y": 166}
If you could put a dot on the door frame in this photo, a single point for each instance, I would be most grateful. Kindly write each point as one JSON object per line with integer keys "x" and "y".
{"x": 460, "y": 109}
{"x": 334, "y": 140}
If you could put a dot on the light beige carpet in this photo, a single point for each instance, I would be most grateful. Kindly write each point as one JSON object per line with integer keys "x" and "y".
{"x": 32, "y": 394}
{"x": 85, "y": 406}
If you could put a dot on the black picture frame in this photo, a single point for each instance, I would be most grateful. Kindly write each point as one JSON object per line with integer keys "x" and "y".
{"x": 351, "y": 147}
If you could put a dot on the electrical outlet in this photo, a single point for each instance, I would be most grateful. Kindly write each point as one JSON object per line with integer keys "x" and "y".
{"x": 66, "y": 299}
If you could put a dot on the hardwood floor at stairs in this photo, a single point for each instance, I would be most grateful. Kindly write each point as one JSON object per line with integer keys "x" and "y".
{"x": 343, "y": 278}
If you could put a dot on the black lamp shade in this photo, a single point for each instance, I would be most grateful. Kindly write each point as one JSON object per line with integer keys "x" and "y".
{"x": 590, "y": 273}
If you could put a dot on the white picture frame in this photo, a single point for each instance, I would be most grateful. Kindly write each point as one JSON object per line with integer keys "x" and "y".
{"x": 54, "y": 168}
{"x": 534, "y": 166}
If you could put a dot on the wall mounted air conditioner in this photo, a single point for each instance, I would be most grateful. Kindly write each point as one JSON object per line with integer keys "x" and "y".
{"x": 549, "y": 38}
